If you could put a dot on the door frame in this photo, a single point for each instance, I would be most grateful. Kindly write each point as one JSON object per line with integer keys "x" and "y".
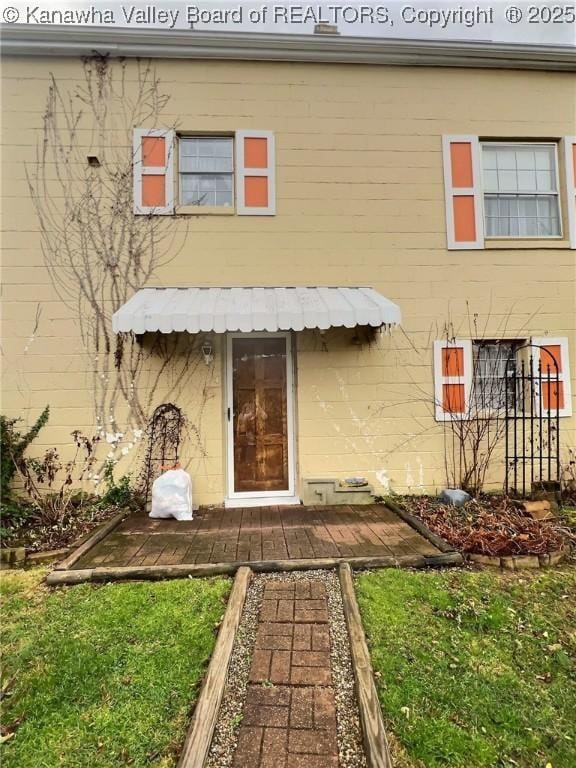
{"x": 260, "y": 496}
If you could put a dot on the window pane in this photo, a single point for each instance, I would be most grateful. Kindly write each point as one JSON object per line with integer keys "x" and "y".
{"x": 525, "y": 160}
{"x": 491, "y": 205}
{"x": 519, "y": 168}
{"x": 548, "y": 227}
{"x": 489, "y": 156}
{"x": 492, "y": 361}
{"x": 527, "y": 181}
{"x": 528, "y": 207}
{"x": 545, "y": 207}
{"x": 490, "y": 180}
{"x": 545, "y": 181}
{"x": 504, "y": 206}
{"x": 506, "y": 159}
{"x": 521, "y": 215}
{"x": 206, "y": 155}
{"x": 544, "y": 158}
{"x": 206, "y": 189}
{"x": 507, "y": 181}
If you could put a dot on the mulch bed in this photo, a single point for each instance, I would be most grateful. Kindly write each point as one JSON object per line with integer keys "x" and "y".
{"x": 490, "y": 525}
{"x": 36, "y": 536}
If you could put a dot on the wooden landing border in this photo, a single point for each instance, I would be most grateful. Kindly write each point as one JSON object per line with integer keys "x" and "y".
{"x": 183, "y": 570}
{"x": 94, "y": 538}
{"x": 419, "y": 526}
{"x": 373, "y": 731}
{"x": 201, "y": 730}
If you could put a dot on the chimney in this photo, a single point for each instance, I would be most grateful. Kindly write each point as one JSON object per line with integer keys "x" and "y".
{"x": 326, "y": 29}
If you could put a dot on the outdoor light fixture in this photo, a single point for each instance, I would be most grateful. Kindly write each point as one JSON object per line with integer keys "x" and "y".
{"x": 207, "y": 352}
{"x": 93, "y": 161}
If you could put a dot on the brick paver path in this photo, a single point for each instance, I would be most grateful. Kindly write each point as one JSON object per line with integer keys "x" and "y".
{"x": 289, "y": 718}
{"x": 256, "y": 534}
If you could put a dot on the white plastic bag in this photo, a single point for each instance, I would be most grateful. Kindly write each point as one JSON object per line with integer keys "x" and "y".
{"x": 172, "y": 495}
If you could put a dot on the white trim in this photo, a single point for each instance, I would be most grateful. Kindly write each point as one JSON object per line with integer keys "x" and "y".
{"x": 569, "y": 144}
{"x": 440, "y": 380}
{"x": 563, "y": 376}
{"x": 202, "y": 210}
{"x": 450, "y": 192}
{"x": 167, "y": 171}
{"x": 68, "y": 40}
{"x": 262, "y": 496}
{"x": 264, "y": 501}
{"x": 242, "y": 172}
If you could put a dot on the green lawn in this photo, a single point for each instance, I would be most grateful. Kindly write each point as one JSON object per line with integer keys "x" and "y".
{"x": 104, "y": 676}
{"x": 475, "y": 669}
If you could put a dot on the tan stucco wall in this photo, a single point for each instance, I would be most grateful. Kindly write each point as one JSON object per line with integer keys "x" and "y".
{"x": 360, "y": 201}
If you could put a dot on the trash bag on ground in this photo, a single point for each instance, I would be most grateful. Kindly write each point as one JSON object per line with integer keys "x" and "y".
{"x": 172, "y": 495}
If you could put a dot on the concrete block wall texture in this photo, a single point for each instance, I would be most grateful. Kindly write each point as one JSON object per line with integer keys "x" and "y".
{"x": 360, "y": 201}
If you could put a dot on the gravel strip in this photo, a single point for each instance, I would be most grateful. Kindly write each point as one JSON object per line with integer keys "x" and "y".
{"x": 350, "y": 747}
{"x": 230, "y": 715}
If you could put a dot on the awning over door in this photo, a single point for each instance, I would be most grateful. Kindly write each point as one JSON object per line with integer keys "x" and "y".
{"x": 253, "y": 309}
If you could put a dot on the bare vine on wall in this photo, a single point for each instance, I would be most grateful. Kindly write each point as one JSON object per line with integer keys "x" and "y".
{"x": 473, "y": 443}
{"x": 97, "y": 252}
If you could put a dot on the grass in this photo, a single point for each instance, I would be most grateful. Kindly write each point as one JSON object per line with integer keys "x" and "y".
{"x": 104, "y": 676}
{"x": 475, "y": 669}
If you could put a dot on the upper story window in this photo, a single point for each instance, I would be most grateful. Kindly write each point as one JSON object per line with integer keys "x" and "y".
{"x": 206, "y": 169}
{"x": 508, "y": 189}
{"x": 520, "y": 187}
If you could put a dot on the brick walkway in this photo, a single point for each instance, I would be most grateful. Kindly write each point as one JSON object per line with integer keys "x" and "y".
{"x": 289, "y": 718}
{"x": 259, "y": 534}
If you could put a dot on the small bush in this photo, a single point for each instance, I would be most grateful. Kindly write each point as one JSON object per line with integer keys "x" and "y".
{"x": 12, "y": 446}
{"x": 118, "y": 494}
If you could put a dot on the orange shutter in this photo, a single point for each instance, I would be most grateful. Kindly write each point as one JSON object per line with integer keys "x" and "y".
{"x": 452, "y": 379}
{"x": 570, "y": 157}
{"x": 552, "y": 372}
{"x": 255, "y": 173}
{"x": 153, "y": 157}
{"x": 463, "y": 190}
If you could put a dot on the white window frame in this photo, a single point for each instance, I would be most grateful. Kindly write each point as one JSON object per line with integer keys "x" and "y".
{"x": 207, "y": 208}
{"x": 569, "y": 143}
{"x": 512, "y": 144}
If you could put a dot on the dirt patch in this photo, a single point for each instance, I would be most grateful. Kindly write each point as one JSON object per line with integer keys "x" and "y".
{"x": 490, "y": 526}
{"x": 37, "y": 536}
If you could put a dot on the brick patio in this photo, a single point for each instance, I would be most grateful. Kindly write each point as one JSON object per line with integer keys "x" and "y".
{"x": 258, "y": 534}
{"x": 291, "y": 723}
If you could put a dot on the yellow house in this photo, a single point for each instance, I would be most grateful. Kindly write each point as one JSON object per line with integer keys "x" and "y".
{"x": 336, "y": 257}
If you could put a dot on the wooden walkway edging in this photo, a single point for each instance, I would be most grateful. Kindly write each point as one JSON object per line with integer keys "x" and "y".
{"x": 201, "y": 730}
{"x": 420, "y": 527}
{"x": 181, "y": 571}
{"x": 373, "y": 731}
{"x": 91, "y": 540}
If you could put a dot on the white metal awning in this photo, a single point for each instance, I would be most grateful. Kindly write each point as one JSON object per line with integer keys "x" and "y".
{"x": 252, "y": 309}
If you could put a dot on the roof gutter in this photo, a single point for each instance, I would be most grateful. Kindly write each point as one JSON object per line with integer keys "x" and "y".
{"x": 40, "y": 40}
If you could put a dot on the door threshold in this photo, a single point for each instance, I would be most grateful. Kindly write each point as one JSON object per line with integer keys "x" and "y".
{"x": 262, "y": 501}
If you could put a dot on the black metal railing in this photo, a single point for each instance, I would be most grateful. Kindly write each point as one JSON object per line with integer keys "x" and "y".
{"x": 532, "y": 420}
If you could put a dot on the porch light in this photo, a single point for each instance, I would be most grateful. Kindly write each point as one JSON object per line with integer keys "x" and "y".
{"x": 208, "y": 352}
